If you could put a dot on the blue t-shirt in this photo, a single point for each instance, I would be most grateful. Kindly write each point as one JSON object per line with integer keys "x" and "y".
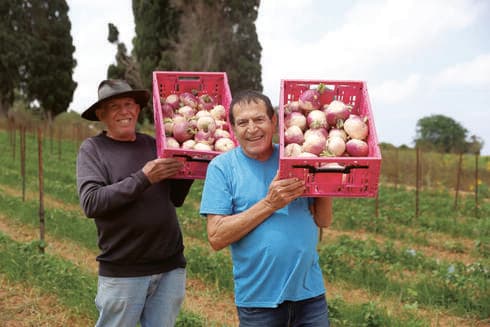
{"x": 277, "y": 261}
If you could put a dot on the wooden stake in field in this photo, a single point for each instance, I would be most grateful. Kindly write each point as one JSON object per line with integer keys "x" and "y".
{"x": 477, "y": 155}
{"x": 417, "y": 181}
{"x": 458, "y": 179}
{"x": 41, "y": 189}
{"x": 23, "y": 160}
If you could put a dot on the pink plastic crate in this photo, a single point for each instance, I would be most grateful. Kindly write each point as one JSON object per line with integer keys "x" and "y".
{"x": 166, "y": 83}
{"x": 333, "y": 176}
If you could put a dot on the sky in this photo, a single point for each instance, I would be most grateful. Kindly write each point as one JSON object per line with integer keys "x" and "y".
{"x": 417, "y": 57}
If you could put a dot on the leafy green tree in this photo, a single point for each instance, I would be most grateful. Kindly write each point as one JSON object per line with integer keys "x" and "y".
{"x": 442, "y": 133}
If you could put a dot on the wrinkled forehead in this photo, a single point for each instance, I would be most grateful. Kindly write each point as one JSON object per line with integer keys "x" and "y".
{"x": 118, "y": 100}
{"x": 249, "y": 107}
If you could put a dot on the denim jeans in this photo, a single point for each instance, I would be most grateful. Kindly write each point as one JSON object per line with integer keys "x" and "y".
{"x": 310, "y": 312}
{"x": 151, "y": 300}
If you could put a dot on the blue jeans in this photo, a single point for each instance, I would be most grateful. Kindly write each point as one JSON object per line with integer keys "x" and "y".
{"x": 310, "y": 312}
{"x": 151, "y": 300}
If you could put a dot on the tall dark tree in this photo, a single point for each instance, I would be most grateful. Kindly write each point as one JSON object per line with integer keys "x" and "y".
{"x": 37, "y": 54}
{"x": 442, "y": 133}
{"x": 156, "y": 29}
{"x": 14, "y": 46}
{"x": 50, "y": 64}
{"x": 202, "y": 35}
{"x": 241, "y": 59}
{"x": 220, "y": 36}
{"x": 126, "y": 66}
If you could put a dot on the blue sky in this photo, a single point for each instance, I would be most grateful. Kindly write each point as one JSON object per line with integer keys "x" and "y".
{"x": 418, "y": 57}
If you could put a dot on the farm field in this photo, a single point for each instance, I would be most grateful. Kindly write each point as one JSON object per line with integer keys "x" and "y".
{"x": 384, "y": 265}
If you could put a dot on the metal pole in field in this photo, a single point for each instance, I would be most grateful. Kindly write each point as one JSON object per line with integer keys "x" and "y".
{"x": 41, "y": 188}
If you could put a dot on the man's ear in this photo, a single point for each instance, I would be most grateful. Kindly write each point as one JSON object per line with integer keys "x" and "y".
{"x": 274, "y": 121}
{"x": 99, "y": 113}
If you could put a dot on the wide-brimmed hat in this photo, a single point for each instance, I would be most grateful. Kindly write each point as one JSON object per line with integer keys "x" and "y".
{"x": 116, "y": 88}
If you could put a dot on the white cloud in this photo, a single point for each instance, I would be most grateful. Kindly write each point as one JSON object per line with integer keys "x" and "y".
{"x": 474, "y": 73}
{"x": 373, "y": 33}
{"x": 395, "y": 91}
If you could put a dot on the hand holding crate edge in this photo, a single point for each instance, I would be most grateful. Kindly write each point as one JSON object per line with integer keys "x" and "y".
{"x": 328, "y": 137}
{"x": 191, "y": 118}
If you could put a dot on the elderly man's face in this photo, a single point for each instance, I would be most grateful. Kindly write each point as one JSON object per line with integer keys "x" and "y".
{"x": 120, "y": 116}
{"x": 254, "y": 129}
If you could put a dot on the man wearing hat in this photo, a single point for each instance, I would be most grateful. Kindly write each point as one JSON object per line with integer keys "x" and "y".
{"x": 128, "y": 193}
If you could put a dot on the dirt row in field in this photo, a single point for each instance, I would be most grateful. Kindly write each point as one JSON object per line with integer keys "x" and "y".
{"x": 23, "y": 306}
{"x": 199, "y": 298}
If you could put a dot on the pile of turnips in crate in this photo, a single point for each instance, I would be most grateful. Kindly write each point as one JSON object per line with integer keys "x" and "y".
{"x": 195, "y": 122}
{"x": 314, "y": 129}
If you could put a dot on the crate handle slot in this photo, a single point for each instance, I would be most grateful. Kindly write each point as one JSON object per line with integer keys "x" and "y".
{"x": 344, "y": 170}
{"x": 189, "y": 78}
{"x": 189, "y": 158}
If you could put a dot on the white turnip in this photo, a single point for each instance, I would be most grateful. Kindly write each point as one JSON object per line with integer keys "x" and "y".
{"x": 292, "y": 150}
{"x": 293, "y": 134}
{"x": 173, "y": 100}
{"x": 224, "y": 144}
{"x": 292, "y": 106}
{"x": 336, "y": 112}
{"x": 297, "y": 119}
{"x": 172, "y": 143}
{"x": 189, "y": 144}
{"x": 189, "y": 99}
{"x": 316, "y": 119}
{"x": 168, "y": 124}
{"x": 187, "y": 111}
{"x": 202, "y": 136}
{"x": 182, "y": 131}
{"x": 335, "y": 146}
{"x": 219, "y": 133}
{"x": 206, "y": 123}
{"x": 167, "y": 110}
{"x": 321, "y": 131}
{"x": 357, "y": 148}
{"x": 310, "y": 99}
{"x": 202, "y": 113}
{"x": 314, "y": 143}
{"x": 338, "y": 132}
{"x": 356, "y": 127}
{"x": 203, "y": 147}
{"x": 206, "y": 102}
{"x": 307, "y": 155}
{"x": 218, "y": 112}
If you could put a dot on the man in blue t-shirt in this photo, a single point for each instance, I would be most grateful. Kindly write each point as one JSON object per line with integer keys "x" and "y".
{"x": 271, "y": 229}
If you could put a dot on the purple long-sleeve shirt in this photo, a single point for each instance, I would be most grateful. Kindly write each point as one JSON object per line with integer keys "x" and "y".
{"x": 137, "y": 226}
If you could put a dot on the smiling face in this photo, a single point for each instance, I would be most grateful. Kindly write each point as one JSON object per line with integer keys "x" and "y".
{"x": 254, "y": 129}
{"x": 120, "y": 116}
